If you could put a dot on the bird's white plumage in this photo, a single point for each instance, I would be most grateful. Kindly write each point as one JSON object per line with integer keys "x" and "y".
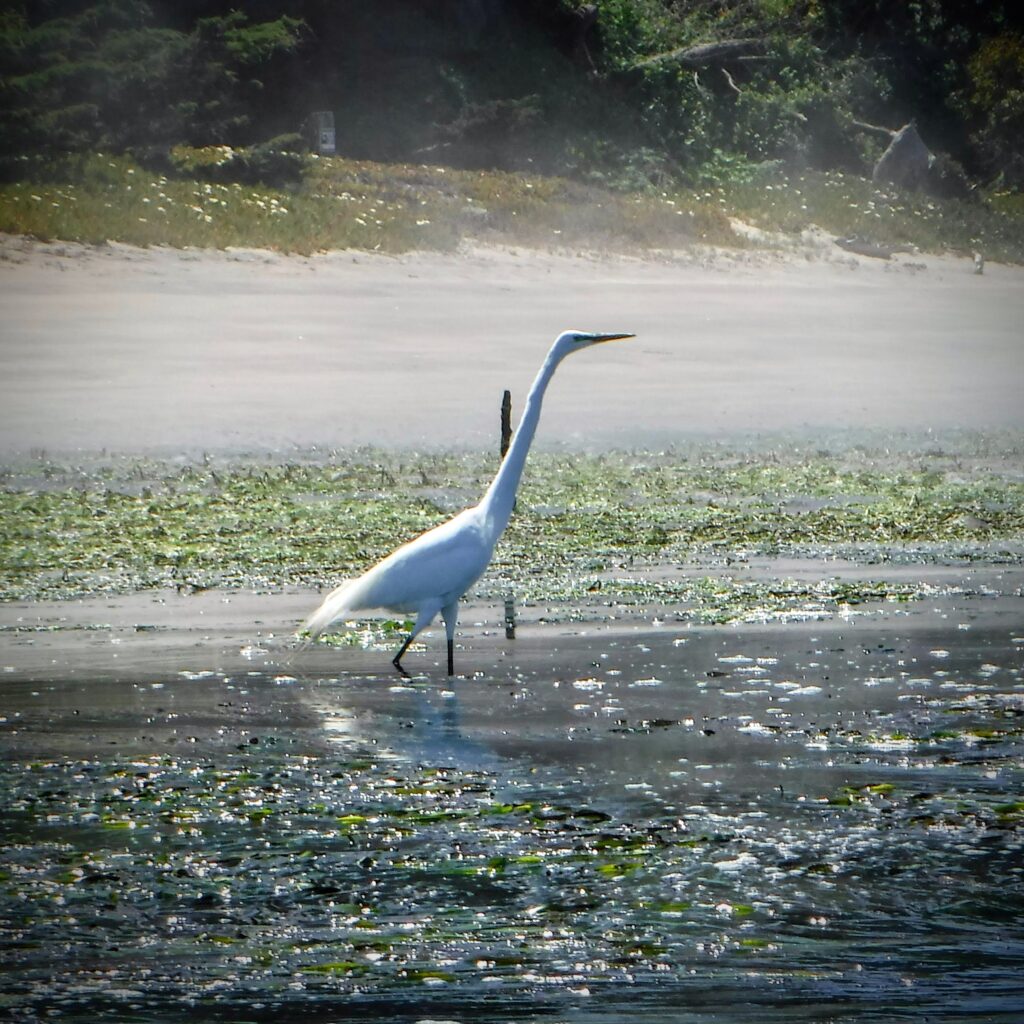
{"x": 431, "y": 573}
{"x": 436, "y": 568}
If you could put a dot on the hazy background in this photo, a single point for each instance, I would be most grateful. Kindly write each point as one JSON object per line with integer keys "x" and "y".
{"x": 623, "y": 92}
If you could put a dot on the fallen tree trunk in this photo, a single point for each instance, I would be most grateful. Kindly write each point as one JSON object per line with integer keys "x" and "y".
{"x": 707, "y": 54}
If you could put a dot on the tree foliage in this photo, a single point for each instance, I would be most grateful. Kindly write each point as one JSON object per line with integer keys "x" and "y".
{"x": 111, "y": 75}
{"x": 598, "y": 91}
{"x": 994, "y": 98}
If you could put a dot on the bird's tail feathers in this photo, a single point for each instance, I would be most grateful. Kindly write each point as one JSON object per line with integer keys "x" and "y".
{"x": 336, "y": 605}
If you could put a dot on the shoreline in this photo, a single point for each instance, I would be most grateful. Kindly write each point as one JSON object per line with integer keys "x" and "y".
{"x": 625, "y": 810}
{"x": 150, "y": 671}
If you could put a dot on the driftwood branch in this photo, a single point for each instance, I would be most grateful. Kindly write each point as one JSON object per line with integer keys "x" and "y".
{"x": 732, "y": 85}
{"x": 873, "y": 127}
{"x": 706, "y": 54}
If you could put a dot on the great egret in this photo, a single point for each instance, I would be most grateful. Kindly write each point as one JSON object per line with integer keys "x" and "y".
{"x": 431, "y": 573}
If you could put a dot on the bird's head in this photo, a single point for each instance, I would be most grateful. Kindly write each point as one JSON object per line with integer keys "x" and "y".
{"x": 571, "y": 341}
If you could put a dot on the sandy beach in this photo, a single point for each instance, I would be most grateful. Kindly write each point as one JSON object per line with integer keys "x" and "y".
{"x": 166, "y": 350}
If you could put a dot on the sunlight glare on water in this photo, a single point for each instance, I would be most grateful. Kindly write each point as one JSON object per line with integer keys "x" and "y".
{"x": 794, "y": 827}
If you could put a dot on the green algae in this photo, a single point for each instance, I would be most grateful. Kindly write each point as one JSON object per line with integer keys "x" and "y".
{"x": 583, "y": 523}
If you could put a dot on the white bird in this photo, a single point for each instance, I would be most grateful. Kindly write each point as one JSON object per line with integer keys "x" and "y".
{"x": 431, "y": 573}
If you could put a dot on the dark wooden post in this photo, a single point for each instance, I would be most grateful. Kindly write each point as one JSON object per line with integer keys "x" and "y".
{"x": 506, "y": 422}
{"x": 510, "y": 617}
{"x": 506, "y": 440}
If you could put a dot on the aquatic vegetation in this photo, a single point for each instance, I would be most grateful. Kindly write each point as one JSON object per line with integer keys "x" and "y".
{"x": 263, "y": 879}
{"x": 589, "y": 530}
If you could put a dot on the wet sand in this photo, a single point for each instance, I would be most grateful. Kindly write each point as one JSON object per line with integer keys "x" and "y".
{"x": 146, "y": 673}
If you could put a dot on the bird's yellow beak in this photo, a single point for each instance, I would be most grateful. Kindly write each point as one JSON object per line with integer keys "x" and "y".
{"x": 598, "y": 338}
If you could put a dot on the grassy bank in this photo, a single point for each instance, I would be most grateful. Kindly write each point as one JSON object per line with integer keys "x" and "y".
{"x": 845, "y": 205}
{"x": 344, "y": 204}
{"x": 584, "y": 526}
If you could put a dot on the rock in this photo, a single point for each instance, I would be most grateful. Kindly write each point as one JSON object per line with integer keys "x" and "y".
{"x": 906, "y": 162}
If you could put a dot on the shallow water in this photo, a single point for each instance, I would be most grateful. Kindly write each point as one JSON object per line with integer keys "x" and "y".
{"x": 807, "y": 822}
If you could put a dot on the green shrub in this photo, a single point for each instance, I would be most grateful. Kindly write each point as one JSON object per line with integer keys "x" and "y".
{"x": 111, "y": 77}
{"x": 995, "y": 96}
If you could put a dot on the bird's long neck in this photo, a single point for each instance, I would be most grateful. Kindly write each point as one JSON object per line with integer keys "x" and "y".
{"x": 500, "y": 498}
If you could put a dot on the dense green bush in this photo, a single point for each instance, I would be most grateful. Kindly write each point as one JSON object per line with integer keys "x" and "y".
{"x": 110, "y": 76}
{"x": 995, "y": 96}
{"x": 601, "y": 92}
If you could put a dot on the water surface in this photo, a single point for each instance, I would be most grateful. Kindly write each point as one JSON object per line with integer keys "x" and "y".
{"x": 807, "y": 821}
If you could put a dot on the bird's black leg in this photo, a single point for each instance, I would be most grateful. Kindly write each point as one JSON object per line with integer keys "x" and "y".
{"x": 397, "y": 659}
{"x": 450, "y": 613}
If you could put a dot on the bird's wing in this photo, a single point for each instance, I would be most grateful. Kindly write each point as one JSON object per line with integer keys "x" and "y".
{"x": 436, "y": 568}
{"x": 440, "y": 565}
